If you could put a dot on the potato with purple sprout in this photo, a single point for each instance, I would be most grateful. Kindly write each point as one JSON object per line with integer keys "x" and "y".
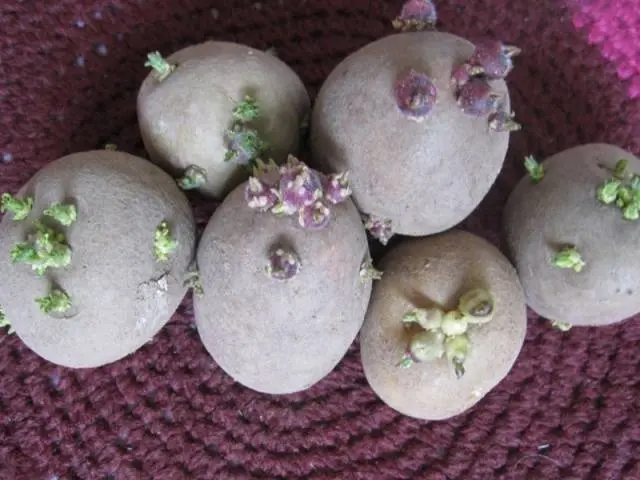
{"x": 422, "y": 121}
{"x": 286, "y": 277}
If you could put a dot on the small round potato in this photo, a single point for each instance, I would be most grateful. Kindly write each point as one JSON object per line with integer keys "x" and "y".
{"x": 562, "y": 211}
{"x": 184, "y": 117}
{"x": 120, "y": 293}
{"x": 434, "y": 273}
{"x": 283, "y": 332}
{"x": 423, "y": 176}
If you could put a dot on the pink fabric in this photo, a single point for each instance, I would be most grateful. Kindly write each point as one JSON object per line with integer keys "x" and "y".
{"x": 69, "y": 71}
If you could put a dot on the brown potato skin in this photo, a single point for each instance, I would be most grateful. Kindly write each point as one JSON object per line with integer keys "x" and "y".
{"x": 563, "y": 209}
{"x": 425, "y": 177}
{"x": 436, "y": 271}
{"x": 273, "y": 336}
{"x": 183, "y": 119}
{"x": 120, "y": 200}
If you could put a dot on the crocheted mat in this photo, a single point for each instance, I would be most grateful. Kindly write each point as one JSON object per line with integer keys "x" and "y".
{"x": 69, "y": 73}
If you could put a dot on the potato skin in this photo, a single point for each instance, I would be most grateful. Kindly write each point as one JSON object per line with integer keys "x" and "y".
{"x": 563, "y": 209}
{"x": 183, "y": 119}
{"x": 118, "y": 307}
{"x": 436, "y": 271}
{"x": 425, "y": 177}
{"x": 273, "y": 336}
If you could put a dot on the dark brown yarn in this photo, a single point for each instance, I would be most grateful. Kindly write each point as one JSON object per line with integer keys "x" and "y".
{"x": 69, "y": 72}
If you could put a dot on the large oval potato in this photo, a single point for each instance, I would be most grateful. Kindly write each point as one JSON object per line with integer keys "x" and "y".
{"x": 280, "y": 336}
{"x": 435, "y": 272}
{"x": 184, "y": 117}
{"x": 121, "y": 294}
{"x": 424, "y": 177}
{"x": 562, "y": 210}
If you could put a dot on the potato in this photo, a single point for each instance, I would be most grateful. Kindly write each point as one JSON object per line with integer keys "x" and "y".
{"x": 423, "y": 142}
{"x": 186, "y": 111}
{"x": 98, "y": 288}
{"x": 282, "y": 303}
{"x": 577, "y": 257}
{"x": 433, "y": 289}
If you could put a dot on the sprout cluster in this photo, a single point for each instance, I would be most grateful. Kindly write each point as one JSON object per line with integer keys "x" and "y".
{"x": 568, "y": 257}
{"x": 368, "y": 272}
{"x": 534, "y": 169}
{"x": 296, "y": 189}
{"x": 163, "y": 242}
{"x": 491, "y": 60}
{"x": 381, "y": 229}
{"x": 56, "y": 301}
{"x": 283, "y": 264}
{"x": 160, "y": 66}
{"x": 621, "y": 190}
{"x": 193, "y": 177}
{"x": 416, "y": 95}
{"x": 244, "y": 143}
{"x": 416, "y": 15}
{"x": 193, "y": 282}
{"x": 18, "y": 208}
{"x": 445, "y": 334}
{"x": 45, "y": 247}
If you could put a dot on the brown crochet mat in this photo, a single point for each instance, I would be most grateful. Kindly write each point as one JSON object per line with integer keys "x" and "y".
{"x": 69, "y": 72}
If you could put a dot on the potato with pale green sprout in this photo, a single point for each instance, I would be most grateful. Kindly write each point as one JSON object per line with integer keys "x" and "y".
{"x": 208, "y": 111}
{"x": 94, "y": 252}
{"x": 572, "y": 226}
{"x": 445, "y": 325}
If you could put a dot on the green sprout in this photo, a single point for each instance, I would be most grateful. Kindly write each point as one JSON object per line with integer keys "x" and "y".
{"x": 247, "y": 110}
{"x": 562, "y": 326}
{"x": 193, "y": 282}
{"x": 4, "y": 321}
{"x": 620, "y": 169}
{"x": 111, "y": 146}
{"x": 64, "y": 214}
{"x": 245, "y": 145}
{"x": 46, "y": 249}
{"x": 368, "y": 272}
{"x": 535, "y": 169}
{"x": 477, "y": 305}
{"x": 607, "y": 193}
{"x": 56, "y": 302}
{"x": 457, "y": 348}
{"x": 194, "y": 177}
{"x": 568, "y": 257}
{"x": 163, "y": 242}
{"x": 18, "y": 208}
{"x": 162, "y": 68}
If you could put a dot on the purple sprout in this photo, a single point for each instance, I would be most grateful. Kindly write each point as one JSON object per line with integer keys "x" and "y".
{"x": 476, "y": 98}
{"x": 284, "y": 264}
{"x": 462, "y": 74}
{"x": 416, "y": 14}
{"x": 300, "y": 186}
{"x": 415, "y": 95}
{"x": 314, "y": 217}
{"x": 259, "y": 195}
{"x": 337, "y": 187}
{"x": 379, "y": 228}
{"x": 495, "y": 58}
{"x": 296, "y": 188}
